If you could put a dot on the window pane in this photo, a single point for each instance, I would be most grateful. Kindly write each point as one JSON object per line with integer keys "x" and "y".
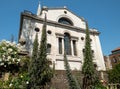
{"x": 60, "y": 45}
{"x": 48, "y": 48}
{"x": 67, "y": 44}
{"x": 74, "y": 47}
{"x": 65, "y": 21}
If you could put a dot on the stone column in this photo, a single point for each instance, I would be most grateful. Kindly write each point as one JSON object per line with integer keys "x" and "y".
{"x": 57, "y": 49}
{"x": 62, "y": 45}
{"x": 72, "y": 51}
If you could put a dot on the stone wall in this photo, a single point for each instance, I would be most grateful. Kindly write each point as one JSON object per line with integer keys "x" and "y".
{"x": 59, "y": 81}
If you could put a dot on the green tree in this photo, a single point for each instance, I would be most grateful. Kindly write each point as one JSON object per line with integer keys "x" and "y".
{"x": 44, "y": 73}
{"x": 73, "y": 84}
{"x": 114, "y": 74}
{"x": 40, "y": 72}
{"x": 90, "y": 78}
{"x": 33, "y": 65}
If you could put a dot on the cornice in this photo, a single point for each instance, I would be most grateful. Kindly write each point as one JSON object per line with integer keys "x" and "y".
{"x": 49, "y": 22}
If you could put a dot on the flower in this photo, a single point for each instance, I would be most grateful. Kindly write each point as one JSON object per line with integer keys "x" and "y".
{"x": 13, "y": 59}
{"x": 21, "y": 76}
{"x": 19, "y": 60}
{"x": 10, "y": 84}
{"x": 10, "y": 50}
{"x": 2, "y": 64}
{"x": 9, "y": 57}
{"x": 3, "y": 56}
{"x": 27, "y": 82}
{"x": 4, "y": 48}
{"x": 15, "y": 52}
{"x": 9, "y": 62}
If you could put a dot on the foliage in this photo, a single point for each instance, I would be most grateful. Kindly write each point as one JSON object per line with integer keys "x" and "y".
{"x": 98, "y": 84}
{"x": 114, "y": 74}
{"x": 35, "y": 48}
{"x": 78, "y": 76}
{"x": 90, "y": 78}
{"x": 73, "y": 84}
{"x": 41, "y": 72}
{"x": 9, "y": 53}
{"x": 12, "y": 63}
{"x": 33, "y": 64}
{"x": 24, "y": 63}
{"x": 18, "y": 80}
{"x": 44, "y": 72}
{"x": 88, "y": 67}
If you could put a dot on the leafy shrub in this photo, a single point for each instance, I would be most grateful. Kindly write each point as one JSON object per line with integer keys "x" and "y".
{"x": 9, "y": 53}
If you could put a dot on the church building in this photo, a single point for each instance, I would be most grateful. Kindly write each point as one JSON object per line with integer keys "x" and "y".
{"x": 65, "y": 30}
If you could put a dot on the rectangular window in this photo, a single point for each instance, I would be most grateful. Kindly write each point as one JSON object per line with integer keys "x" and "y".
{"x": 60, "y": 45}
{"x": 74, "y": 48}
{"x": 48, "y": 48}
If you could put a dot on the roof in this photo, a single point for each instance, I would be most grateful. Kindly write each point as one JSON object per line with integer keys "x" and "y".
{"x": 116, "y": 49}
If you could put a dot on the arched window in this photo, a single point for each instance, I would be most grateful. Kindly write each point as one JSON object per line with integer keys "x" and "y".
{"x": 67, "y": 43}
{"x": 64, "y": 20}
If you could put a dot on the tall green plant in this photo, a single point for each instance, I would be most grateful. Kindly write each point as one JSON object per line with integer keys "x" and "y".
{"x": 114, "y": 74}
{"x": 73, "y": 84}
{"x": 90, "y": 78}
{"x": 33, "y": 65}
{"x": 44, "y": 73}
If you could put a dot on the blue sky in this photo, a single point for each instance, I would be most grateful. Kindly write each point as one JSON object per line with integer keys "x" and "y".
{"x": 104, "y": 15}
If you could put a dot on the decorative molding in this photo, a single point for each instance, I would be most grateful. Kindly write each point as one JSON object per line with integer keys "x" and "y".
{"x": 31, "y": 16}
{"x": 69, "y": 60}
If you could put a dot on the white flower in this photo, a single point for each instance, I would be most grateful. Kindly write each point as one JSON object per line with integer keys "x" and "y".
{"x": 9, "y": 57}
{"x": 27, "y": 82}
{"x": 10, "y": 84}
{"x": 15, "y": 52}
{"x": 2, "y": 64}
{"x": 13, "y": 59}
{"x": 19, "y": 60}
{"x": 12, "y": 80}
{"x": 4, "y": 48}
{"x": 21, "y": 76}
{"x": 10, "y": 50}
{"x": 9, "y": 62}
{"x": 3, "y": 56}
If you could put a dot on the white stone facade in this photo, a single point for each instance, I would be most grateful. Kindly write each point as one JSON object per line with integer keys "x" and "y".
{"x": 56, "y": 32}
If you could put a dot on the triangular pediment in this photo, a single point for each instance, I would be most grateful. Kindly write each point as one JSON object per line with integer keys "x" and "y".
{"x": 54, "y": 14}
